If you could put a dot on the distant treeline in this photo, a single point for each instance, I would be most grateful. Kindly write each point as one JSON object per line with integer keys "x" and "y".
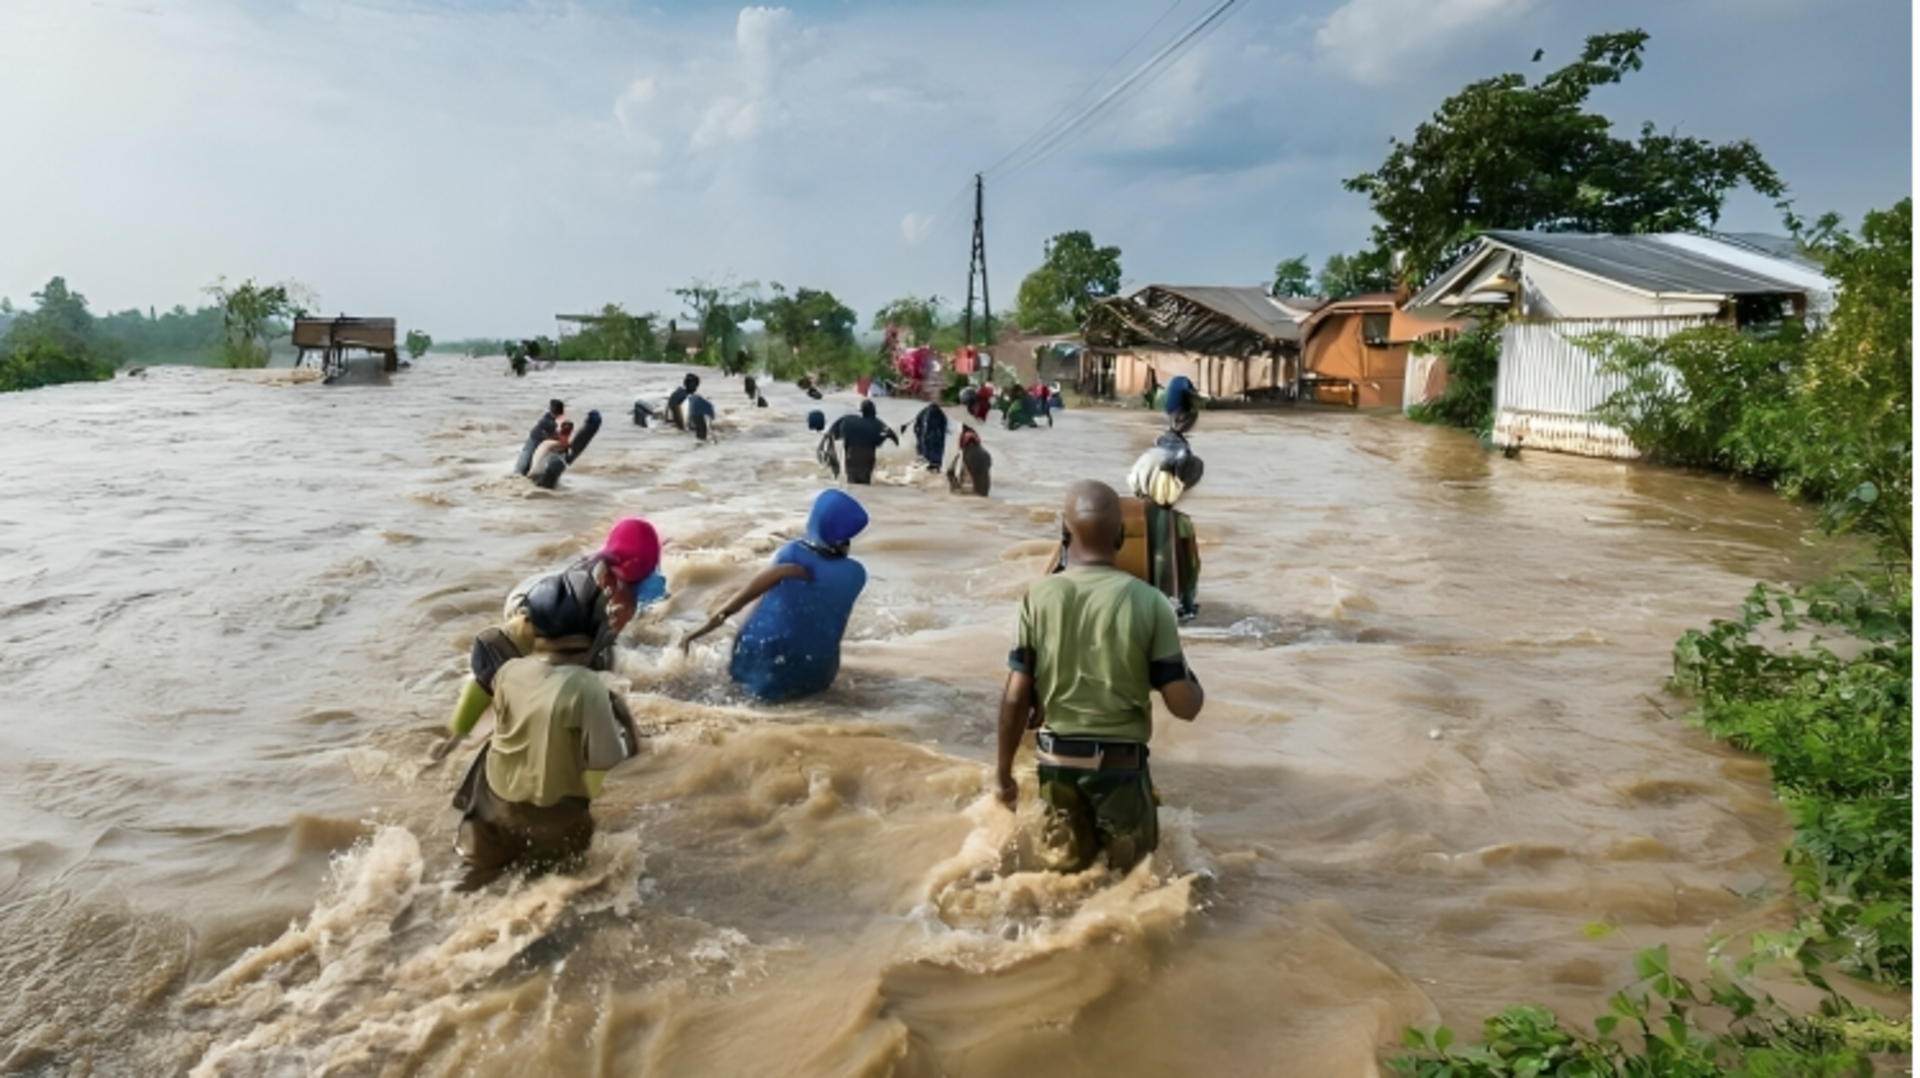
{"x": 60, "y": 340}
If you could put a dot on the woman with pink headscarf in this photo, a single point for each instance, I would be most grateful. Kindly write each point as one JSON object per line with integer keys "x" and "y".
{"x": 610, "y": 585}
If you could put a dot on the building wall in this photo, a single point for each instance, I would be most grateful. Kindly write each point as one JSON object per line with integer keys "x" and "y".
{"x": 1337, "y": 349}
{"x": 1550, "y": 292}
{"x": 1548, "y": 385}
{"x": 1222, "y": 377}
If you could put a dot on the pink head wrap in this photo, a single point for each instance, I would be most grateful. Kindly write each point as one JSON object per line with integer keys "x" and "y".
{"x": 632, "y": 550}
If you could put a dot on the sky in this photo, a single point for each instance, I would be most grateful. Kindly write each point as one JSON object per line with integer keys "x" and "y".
{"x": 473, "y": 168}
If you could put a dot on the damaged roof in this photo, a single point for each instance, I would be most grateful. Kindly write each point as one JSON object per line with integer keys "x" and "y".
{"x": 1210, "y": 319}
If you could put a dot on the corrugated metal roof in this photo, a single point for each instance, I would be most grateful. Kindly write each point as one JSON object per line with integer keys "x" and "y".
{"x": 1651, "y": 264}
{"x": 1250, "y": 306}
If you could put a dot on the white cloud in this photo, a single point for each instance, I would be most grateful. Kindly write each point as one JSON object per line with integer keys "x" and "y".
{"x": 474, "y": 171}
{"x": 1373, "y": 41}
{"x": 628, "y": 107}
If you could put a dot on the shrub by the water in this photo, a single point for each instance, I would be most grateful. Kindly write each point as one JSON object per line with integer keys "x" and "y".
{"x": 1473, "y": 363}
{"x": 1819, "y": 680}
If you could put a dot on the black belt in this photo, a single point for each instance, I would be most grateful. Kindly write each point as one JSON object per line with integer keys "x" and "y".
{"x": 1093, "y": 753}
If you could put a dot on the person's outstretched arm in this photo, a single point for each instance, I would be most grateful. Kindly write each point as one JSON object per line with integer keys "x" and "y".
{"x": 762, "y": 583}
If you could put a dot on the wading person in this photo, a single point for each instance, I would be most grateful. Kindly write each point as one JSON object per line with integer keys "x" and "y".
{"x": 972, "y": 469}
{"x": 611, "y": 585}
{"x": 699, "y": 412}
{"x": 675, "y": 400}
{"x": 545, "y": 430}
{"x": 859, "y": 438}
{"x": 790, "y": 644}
{"x": 526, "y": 798}
{"x": 1181, "y": 404}
{"x": 1093, "y": 645}
{"x": 930, "y": 436}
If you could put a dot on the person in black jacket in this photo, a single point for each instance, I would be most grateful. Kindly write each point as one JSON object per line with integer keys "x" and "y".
{"x": 545, "y": 430}
{"x": 859, "y": 438}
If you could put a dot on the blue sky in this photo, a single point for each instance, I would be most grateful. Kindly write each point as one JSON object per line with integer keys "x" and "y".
{"x": 473, "y": 168}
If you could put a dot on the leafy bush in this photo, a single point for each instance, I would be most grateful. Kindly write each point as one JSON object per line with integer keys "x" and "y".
{"x": 55, "y": 343}
{"x": 1675, "y": 1028}
{"x": 1708, "y": 397}
{"x": 1473, "y": 364}
{"x": 43, "y": 361}
{"x": 1838, "y": 729}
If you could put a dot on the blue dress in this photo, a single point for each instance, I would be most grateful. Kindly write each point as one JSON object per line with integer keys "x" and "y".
{"x": 790, "y": 644}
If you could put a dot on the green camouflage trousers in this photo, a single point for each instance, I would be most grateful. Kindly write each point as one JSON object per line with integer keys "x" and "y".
{"x": 1093, "y": 811}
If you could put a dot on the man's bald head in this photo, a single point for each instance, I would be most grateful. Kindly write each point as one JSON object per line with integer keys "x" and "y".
{"x": 1093, "y": 523}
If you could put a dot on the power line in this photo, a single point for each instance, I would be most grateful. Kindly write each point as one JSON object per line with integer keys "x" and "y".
{"x": 1138, "y": 78}
{"x": 1067, "y": 109}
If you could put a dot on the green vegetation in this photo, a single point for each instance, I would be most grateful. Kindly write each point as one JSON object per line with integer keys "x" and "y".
{"x": 1073, "y": 276}
{"x": 176, "y": 336}
{"x": 615, "y": 335}
{"x": 59, "y": 341}
{"x": 417, "y": 343}
{"x": 810, "y": 333}
{"x": 1473, "y": 363}
{"x": 1673, "y": 1027}
{"x": 919, "y": 316}
{"x": 1292, "y": 277}
{"x": 719, "y": 311}
{"x": 1370, "y": 270}
{"x": 252, "y": 315}
{"x": 1505, "y": 154}
{"x": 1818, "y": 679}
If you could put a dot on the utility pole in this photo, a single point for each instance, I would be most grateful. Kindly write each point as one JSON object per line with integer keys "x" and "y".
{"x": 978, "y": 267}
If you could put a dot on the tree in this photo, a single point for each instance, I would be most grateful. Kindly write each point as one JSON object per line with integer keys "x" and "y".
{"x": 1854, "y": 447}
{"x": 55, "y": 343}
{"x": 616, "y": 335}
{"x": 418, "y": 343}
{"x": 817, "y": 330}
{"x": 1503, "y": 154}
{"x": 253, "y": 315}
{"x": 718, "y": 310}
{"x": 1073, "y": 276}
{"x": 1292, "y": 277}
{"x": 1351, "y": 275}
{"x": 919, "y": 316}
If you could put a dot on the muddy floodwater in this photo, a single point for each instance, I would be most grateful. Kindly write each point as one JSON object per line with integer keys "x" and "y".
{"x": 235, "y": 614}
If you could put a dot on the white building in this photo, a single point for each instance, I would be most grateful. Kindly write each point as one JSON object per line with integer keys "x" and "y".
{"x": 1558, "y": 287}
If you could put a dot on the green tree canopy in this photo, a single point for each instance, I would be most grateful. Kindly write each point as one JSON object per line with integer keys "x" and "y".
{"x": 54, "y": 343}
{"x": 1350, "y": 275}
{"x": 253, "y": 315}
{"x": 1074, "y": 274}
{"x": 717, "y": 310}
{"x": 808, "y": 319}
{"x": 1505, "y": 154}
{"x": 1292, "y": 277}
{"x": 919, "y": 315}
{"x": 616, "y": 335}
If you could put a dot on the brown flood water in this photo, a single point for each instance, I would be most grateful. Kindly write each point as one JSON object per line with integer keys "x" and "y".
{"x": 236, "y": 610}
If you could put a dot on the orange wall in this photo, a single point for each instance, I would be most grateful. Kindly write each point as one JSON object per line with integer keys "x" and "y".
{"x": 1335, "y": 350}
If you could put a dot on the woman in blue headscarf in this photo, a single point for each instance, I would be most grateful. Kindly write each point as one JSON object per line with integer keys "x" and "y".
{"x": 790, "y": 644}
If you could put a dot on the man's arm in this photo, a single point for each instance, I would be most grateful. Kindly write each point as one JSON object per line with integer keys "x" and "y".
{"x": 1184, "y": 698}
{"x": 1017, "y": 708}
{"x": 1168, "y": 671}
{"x": 603, "y": 741}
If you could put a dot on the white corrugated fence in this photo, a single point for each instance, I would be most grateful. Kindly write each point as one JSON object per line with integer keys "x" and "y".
{"x": 1548, "y": 385}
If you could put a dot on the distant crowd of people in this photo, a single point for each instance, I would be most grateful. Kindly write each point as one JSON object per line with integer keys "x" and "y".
{"x": 1095, "y": 638}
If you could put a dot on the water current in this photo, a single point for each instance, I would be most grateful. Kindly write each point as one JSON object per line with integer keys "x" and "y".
{"x": 235, "y": 613}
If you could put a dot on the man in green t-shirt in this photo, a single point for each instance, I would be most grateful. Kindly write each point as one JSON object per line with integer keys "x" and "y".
{"x": 1094, "y": 644}
{"x": 525, "y": 800}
